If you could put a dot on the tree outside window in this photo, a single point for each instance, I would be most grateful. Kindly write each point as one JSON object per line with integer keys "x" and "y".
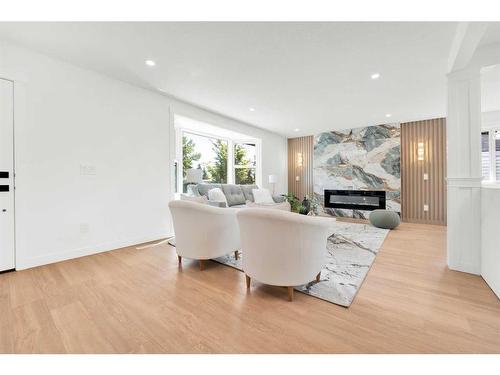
{"x": 212, "y": 157}
{"x": 189, "y": 154}
{"x": 244, "y": 163}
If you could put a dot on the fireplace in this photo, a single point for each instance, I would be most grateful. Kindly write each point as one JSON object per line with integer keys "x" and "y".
{"x": 366, "y": 200}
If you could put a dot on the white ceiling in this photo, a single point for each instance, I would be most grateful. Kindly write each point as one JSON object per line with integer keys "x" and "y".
{"x": 492, "y": 34}
{"x": 311, "y": 76}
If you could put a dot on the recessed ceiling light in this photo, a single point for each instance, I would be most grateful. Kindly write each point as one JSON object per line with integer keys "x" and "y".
{"x": 388, "y": 115}
{"x": 251, "y": 109}
{"x": 296, "y": 129}
{"x": 150, "y": 63}
{"x": 375, "y": 76}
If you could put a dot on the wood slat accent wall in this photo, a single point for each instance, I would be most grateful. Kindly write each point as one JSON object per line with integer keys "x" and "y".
{"x": 415, "y": 191}
{"x": 304, "y": 186}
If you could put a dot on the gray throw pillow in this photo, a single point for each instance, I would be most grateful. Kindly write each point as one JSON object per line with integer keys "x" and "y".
{"x": 278, "y": 198}
{"x": 247, "y": 191}
{"x": 234, "y": 194}
{"x": 203, "y": 189}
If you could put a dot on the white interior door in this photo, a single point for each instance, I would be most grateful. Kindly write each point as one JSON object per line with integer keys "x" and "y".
{"x": 7, "y": 249}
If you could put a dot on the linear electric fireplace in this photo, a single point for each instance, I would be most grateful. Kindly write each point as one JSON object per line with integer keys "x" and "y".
{"x": 367, "y": 200}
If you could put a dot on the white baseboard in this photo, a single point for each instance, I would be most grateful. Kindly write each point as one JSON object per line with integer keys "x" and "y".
{"x": 22, "y": 264}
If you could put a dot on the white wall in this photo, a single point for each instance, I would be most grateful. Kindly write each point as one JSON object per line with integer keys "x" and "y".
{"x": 490, "y": 88}
{"x": 490, "y": 120}
{"x": 490, "y": 251}
{"x": 66, "y": 116}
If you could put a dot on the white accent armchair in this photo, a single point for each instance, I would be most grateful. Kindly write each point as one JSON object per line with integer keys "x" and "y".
{"x": 282, "y": 248}
{"x": 204, "y": 232}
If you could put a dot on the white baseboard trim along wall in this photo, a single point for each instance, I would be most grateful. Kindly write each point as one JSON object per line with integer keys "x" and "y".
{"x": 85, "y": 251}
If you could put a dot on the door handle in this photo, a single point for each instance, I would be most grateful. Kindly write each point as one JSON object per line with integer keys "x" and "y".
{"x": 4, "y": 210}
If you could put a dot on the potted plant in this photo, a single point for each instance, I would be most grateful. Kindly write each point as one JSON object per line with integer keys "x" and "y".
{"x": 303, "y": 210}
{"x": 294, "y": 202}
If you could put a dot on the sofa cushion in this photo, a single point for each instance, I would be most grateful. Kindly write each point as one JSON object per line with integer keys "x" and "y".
{"x": 234, "y": 194}
{"x": 278, "y": 198}
{"x": 217, "y": 195}
{"x": 202, "y": 199}
{"x": 203, "y": 189}
{"x": 247, "y": 191}
{"x": 262, "y": 196}
{"x": 192, "y": 189}
{"x": 217, "y": 204}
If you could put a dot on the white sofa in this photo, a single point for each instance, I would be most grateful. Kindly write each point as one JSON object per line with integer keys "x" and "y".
{"x": 204, "y": 232}
{"x": 282, "y": 248}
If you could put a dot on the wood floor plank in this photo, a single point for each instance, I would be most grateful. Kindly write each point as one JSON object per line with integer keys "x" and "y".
{"x": 78, "y": 330}
{"x": 141, "y": 301}
{"x": 23, "y": 288}
{"x": 34, "y": 329}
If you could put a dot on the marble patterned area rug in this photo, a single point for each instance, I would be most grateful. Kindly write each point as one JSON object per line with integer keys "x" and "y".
{"x": 351, "y": 250}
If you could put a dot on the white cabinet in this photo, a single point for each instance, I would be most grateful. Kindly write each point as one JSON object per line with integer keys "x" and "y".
{"x": 490, "y": 236}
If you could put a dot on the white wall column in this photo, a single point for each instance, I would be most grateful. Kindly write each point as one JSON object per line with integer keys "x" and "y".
{"x": 464, "y": 170}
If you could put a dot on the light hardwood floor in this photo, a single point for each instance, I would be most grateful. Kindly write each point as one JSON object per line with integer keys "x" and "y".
{"x": 136, "y": 301}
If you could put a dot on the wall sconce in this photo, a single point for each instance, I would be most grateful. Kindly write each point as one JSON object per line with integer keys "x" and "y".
{"x": 420, "y": 151}
{"x": 300, "y": 161}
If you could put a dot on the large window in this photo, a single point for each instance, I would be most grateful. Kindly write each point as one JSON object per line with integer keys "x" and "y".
{"x": 485, "y": 155}
{"x": 245, "y": 163}
{"x": 217, "y": 159}
{"x": 206, "y": 154}
{"x": 490, "y": 155}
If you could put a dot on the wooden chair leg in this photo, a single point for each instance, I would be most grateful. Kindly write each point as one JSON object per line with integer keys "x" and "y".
{"x": 318, "y": 277}
{"x": 179, "y": 258}
{"x": 290, "y": 293}
{"x": 236, "y": 255}
{"x": 202, "y": 264}
{"x": 248, "y": 281}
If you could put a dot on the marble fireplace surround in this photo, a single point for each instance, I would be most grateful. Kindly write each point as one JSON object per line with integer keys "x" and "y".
{"x": 365, "y": 158}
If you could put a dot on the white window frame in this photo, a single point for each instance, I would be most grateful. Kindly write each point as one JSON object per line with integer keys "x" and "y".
{"x": 257, "y": 158}
{"x": 230, "y": 155}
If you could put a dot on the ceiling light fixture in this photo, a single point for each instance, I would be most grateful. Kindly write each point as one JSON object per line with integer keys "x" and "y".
{"x": 388, "y": 115}
{"x": 375, "y": 76}
{"x": 150, "y": 63}
{"x": 296, "y": 129}
{"x": 251, "y": 109}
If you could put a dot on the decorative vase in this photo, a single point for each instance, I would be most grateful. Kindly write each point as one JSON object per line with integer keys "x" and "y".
{"x": 306, "y": 203}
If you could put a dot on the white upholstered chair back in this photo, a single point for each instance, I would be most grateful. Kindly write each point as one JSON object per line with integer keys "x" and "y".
{"x": 204, "y": 232}
{"x": 282, "y": 248}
